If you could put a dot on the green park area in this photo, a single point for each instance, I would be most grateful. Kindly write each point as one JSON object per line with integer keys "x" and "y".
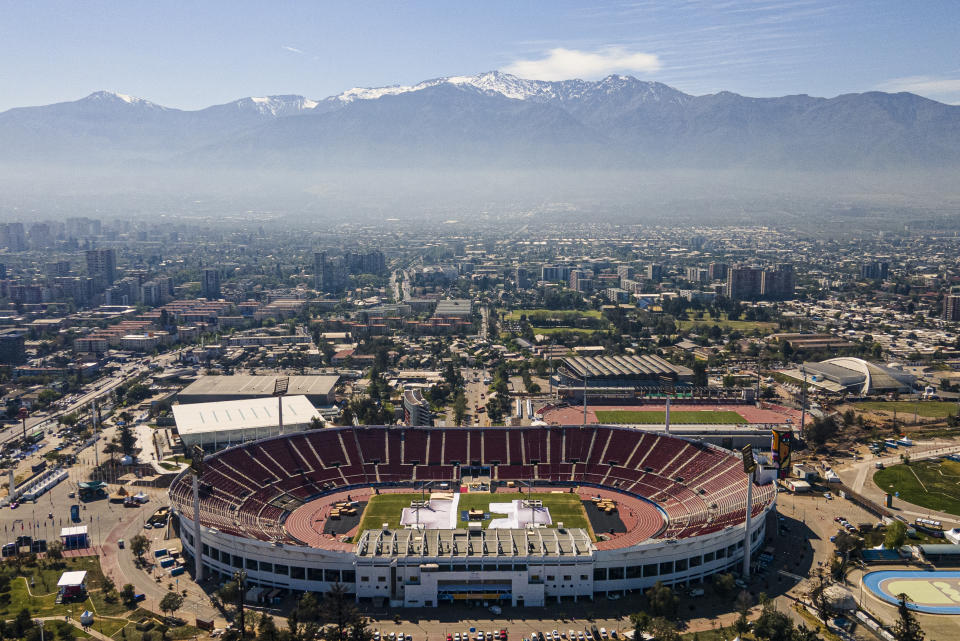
{"x": 556, "y": 315}
{"x": 655, "y": 417}
{"x": 933, "y": 484}
{"x": 926, "y": 409}
{"x": 31, "y": 585}
{"x": 721, "y": 320}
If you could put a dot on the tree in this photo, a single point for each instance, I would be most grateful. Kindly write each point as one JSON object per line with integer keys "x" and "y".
{"x": 340, "y": 613}
{"x": 22, "y": 622}
{"x": 302, "y": 621}
{"x": 641, "y": 623}
{"x": 127, "y": 439}
{"x": 127, "y": 594}
{"x": 724, "y": 584}
{"x": 663, "y": 602}
{"x": 844, "y": 544}
{"x": 111, "y": 448}
{"x": 773, "y": 625}
{"x": 108, "y": 589}
{"x": 803, "y": 633}
{"x": 895, "y": 536}
{"x": 55, "y": 550}
{"x": 822, "y": 429}
{"x": 267, "y": 629}
{"x": 818, "y": 593}
{"x": 907, "y": 627}
{"x": 743, "y": 603}
{"x": 65, "y": 631}
{"x": 663, "y": 630}
{"x": 139, "y": 545}
{"x": 459, "y": 408}
{"x": 171, "y": 602}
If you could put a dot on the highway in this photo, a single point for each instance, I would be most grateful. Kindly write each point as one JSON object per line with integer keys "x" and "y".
{"x": 98, "y": 389}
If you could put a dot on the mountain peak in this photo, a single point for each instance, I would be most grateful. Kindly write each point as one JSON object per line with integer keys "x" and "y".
{"x": 282, "y": 105}
{"x": 113, "y": 96}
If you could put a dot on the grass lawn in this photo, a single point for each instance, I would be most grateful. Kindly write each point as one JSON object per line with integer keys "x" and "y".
{"x": 559, "y": 314}
{"x": 565, "y": 508}
{"x": 645, "y": 417}
{"x": 741, "y": 326}
{"x": 130, "y": 632}
{"x": 930, "y": 484}
{"x": 387, "y": 508}
{"x": 108, "y": 626}
{"x": 43, "y": 601}
{"x": 716, "y": 634}
{"x": 926, "y": 409}
{"x": 547, "y": 331}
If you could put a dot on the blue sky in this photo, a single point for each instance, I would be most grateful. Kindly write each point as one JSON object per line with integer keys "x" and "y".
{"x": 194, "y": 54}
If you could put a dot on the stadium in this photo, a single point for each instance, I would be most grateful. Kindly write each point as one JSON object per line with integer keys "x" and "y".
{"x": 422, "y": 516}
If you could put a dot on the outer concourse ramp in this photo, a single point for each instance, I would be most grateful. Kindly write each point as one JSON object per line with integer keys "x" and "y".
{"x": 930, "y": 592}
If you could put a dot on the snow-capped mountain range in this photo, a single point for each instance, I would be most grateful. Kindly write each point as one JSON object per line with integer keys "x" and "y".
{"x": 494, "y": 119}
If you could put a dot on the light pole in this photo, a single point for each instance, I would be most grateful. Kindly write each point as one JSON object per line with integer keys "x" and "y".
{"x": 280, "y": 387}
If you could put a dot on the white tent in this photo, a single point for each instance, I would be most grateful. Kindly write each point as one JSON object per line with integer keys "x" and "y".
{"x": 86, "y": 618}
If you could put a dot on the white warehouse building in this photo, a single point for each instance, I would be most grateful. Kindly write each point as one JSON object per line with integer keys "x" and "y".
{"x": 220, "y": 424}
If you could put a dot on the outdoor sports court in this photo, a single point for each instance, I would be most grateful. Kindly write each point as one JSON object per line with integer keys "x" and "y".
{"x": 932, "y": 592}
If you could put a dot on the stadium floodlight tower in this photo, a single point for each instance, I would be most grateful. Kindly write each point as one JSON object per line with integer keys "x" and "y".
{"x": 803, "y": 400}
{"x": 584, "y": 396}
{"x": 749, "y": 468}
{"x": 668, "y": 388}
{"x": 196, "y": 467}
{"x": 280, "y": 387}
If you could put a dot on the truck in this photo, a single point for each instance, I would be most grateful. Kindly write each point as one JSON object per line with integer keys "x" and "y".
{"x": 75, "y": 513}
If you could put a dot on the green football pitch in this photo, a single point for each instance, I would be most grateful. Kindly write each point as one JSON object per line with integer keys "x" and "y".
{"x": 564, "y": 508}
{"x": 655, "y": 417}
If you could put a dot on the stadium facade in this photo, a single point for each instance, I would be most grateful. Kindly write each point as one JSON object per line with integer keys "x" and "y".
{"x": 688, "y": 499}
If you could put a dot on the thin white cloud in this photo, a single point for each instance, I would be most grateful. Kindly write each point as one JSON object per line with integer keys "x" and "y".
{"x": 291, "y": 49}
{"x": 924, "y": 85}
{"x": 563, "y": 64}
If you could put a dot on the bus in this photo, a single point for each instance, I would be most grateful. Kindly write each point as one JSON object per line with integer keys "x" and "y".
{"x": 931, "y": 527}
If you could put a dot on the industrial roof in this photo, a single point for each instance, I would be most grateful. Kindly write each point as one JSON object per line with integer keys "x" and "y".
{"x": 249, "y": 413}
{"x": 939, "y": 548}
{"x": 249, "y": 386}
{"x": 454, "y": 307}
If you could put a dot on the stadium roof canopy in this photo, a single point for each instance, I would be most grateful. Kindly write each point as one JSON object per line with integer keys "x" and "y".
{"x": 643, "y": 367}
